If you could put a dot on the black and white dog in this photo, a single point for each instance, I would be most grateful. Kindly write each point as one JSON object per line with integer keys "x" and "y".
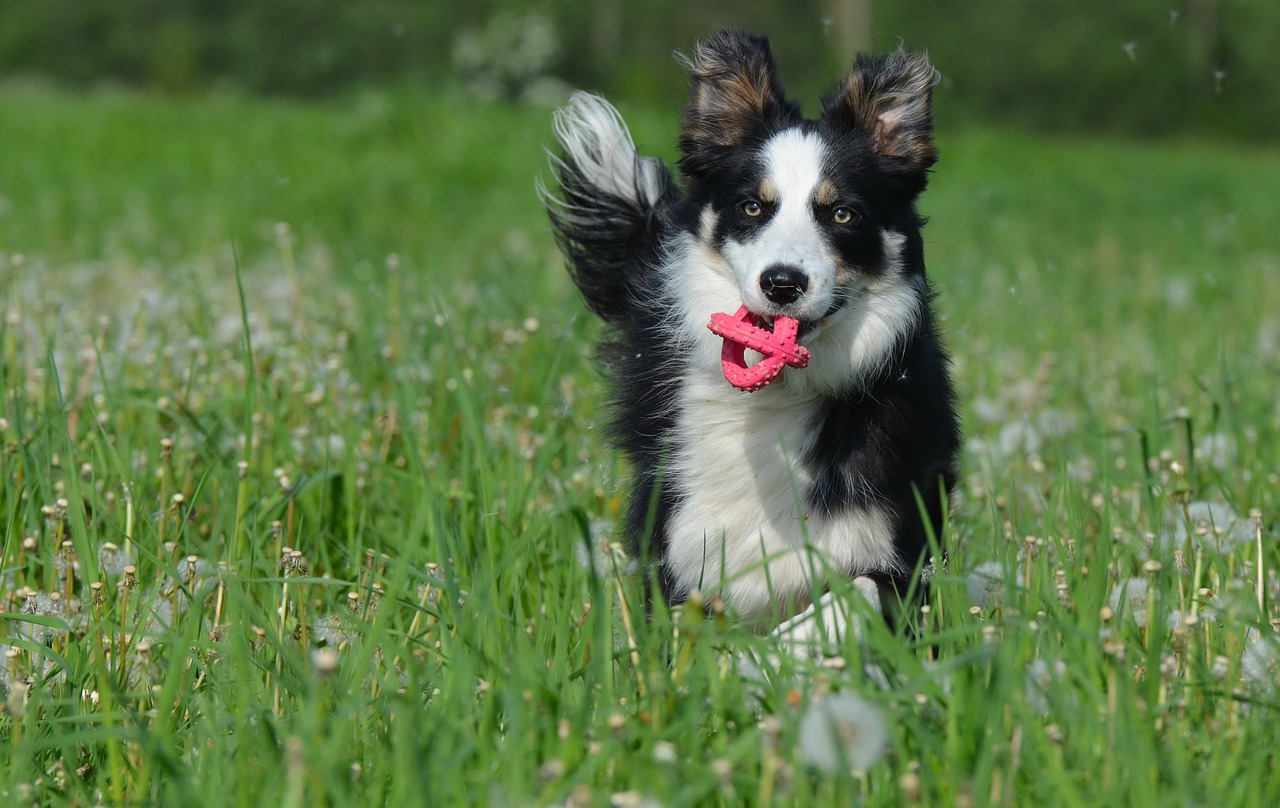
{"x": 841, "y": 468}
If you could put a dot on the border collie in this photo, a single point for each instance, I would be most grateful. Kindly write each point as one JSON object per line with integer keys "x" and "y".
{"x": 839, "y": 468}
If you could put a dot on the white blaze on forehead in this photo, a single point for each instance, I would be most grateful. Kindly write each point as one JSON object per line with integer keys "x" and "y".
{"x": 793, "y": 162}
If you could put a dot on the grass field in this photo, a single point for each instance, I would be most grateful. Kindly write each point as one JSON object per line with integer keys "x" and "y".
{"x": 304, "y": 499}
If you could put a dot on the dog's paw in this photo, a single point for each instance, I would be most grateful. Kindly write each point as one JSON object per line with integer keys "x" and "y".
{"x": 819, "y": 632}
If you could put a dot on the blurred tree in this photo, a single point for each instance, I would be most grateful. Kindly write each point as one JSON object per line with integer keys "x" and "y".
{"x": 606, "y": 31}
{"x": 1142, "y": 66}
{"x": 1204, "y": 22}
{"x": 852, "y": 22}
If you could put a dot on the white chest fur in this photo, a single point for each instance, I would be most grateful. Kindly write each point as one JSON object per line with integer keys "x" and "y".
{"x": 741, "y": 528}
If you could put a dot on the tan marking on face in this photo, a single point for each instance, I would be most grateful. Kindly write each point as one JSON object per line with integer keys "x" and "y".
{"x": 768, "y": 191}
{"x": 707, "y": 224}
{"x": 827, "y": 193}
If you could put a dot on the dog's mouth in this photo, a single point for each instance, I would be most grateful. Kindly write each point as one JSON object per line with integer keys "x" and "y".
{"x": 808, "y": 328}
{"x": 775, "y": 338}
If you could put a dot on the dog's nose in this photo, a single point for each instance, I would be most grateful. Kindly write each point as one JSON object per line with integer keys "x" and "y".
{"x": 783, "y": 284}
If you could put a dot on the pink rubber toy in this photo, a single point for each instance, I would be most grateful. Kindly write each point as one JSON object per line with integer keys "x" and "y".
{"x": 742, "y": 331}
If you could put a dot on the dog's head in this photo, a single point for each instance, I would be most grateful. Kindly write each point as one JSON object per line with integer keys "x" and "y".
{"x": 808, "y": 215}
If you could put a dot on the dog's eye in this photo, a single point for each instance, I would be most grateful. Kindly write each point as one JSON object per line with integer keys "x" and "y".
{"x": 843, "y": 215}
{"x": 752, "y": 208}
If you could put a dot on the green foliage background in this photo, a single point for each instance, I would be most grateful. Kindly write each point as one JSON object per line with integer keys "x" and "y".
{"x": 284, "y": 329}
{"x": 234, "y": 325}
{"x": 1135, "y": 66}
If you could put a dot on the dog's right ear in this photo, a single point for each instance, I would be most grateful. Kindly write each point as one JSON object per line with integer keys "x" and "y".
{"x": 735, "y": 90}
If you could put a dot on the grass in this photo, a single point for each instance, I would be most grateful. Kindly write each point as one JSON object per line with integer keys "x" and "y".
{"x": 304, "y": 500}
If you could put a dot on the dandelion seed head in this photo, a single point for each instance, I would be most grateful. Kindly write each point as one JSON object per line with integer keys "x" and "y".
{"x": 910, "y": 786}
{"x": 1018, "y": 438}
{"x": 1260, "y": 663}
{"x": 163, "y": 613}
{"x": 632, "y": 799}
{"x": 325, "y": 660}
{"x": 985, "y": 585}
{"x": 1220, "y": 667}
{"x": 665, "y": 752}
{"x": 843, "y": 730}
{"x": 1130, "y": 596}
{"x": 333, "y": 630}
{"x": 1041, "y": 679}
{"x": 617, "y": 723}
{"x": 1213, "y": 525}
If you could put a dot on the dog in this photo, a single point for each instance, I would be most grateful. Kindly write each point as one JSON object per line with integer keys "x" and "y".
{"x": 841, "y": 467}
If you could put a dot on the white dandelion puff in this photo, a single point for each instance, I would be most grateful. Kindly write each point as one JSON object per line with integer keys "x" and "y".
{"x": 1018, "y": 438}
{"x": 333, "y": 630}
{"x": 665, "y": 752}
{"x": 989, "y": 410}
{"x": 632, "y": 799}
{"x": 1055, "y": 423}
{"x": 605, "y": 555}
{"x": 325, "y": 660}
{"x": 1213, "y": 525}
{"x": 1260, "y": 663}
{"x": 985, "y": 584}
{"x": 1131, "y": 596}
{"x": 1041, "y": 679}
{"x": 1217, "y": 450}
{"x": 112, "y": 560}
{"x": 842, "y": 730}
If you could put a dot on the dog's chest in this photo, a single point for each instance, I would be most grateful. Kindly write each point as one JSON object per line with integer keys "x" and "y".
{"x": 742, "y": 526}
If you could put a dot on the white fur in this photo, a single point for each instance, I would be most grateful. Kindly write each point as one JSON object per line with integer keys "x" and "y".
{"x": 826, "y": 624}
{"x": 793, "y": 166}
{"x": 860, "y": 338}
{"x": 597, "y": 141}
{"x": 819, "y": 632}
{"x": 740, "y": 526}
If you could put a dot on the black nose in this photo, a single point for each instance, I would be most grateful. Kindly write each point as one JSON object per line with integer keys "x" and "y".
{"x": 783, "y": 285}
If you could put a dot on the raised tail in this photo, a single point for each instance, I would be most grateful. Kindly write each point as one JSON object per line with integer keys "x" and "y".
{"x": 608, "y": 215}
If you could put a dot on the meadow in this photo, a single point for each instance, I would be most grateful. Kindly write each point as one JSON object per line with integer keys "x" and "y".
{"x": 305, "y": 500}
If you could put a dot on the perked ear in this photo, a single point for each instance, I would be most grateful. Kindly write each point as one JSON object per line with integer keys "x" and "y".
{"x": 735, "y": 87}
{"x": 890, "y": 99}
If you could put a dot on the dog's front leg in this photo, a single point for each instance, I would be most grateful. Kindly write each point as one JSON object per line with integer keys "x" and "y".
{"x": 820, "y": 630}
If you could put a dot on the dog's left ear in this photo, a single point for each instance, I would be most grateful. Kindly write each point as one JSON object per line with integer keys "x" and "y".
{"x": 889, "y": 98}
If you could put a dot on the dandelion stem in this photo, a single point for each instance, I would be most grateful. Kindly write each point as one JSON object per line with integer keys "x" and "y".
{"x": 221, "y": 595}
{"x": 1196, "y": 576}
{"x": 238, "y": 533}
{"x": 768, "y": 776}
{"x": 625, "y": 610}
{"x": 284, "y": 241}
{"x": 1262, "y": 573}
{"x": 69, "y": 580}
{"x": 283, "y": 612}
{"x": 691, "y": 615}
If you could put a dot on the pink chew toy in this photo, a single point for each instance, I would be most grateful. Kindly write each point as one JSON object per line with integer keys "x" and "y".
{"x": 742, "y": 331}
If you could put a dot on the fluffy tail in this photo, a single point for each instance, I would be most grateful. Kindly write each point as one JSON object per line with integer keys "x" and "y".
{"x": 607, "y": 218}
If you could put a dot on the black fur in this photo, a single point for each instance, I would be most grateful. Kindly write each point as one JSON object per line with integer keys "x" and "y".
{"x": 889, "y": 438}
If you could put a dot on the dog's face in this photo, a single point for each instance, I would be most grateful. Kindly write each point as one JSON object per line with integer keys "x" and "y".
{"x": 808, "y": 216}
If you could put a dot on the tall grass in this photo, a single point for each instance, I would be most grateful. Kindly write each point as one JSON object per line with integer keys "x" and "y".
{"x": 304, "y": 499}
